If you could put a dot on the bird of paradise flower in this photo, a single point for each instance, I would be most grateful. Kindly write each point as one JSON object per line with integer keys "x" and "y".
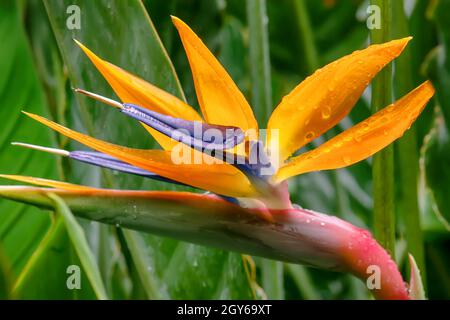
{"x": 245, "y": 210}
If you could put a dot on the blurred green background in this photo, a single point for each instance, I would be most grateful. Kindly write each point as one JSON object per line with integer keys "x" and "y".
{"x": 39, "y": 64}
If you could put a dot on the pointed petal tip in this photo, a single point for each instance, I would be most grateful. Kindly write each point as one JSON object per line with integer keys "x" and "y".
{"x": 60, "y": 152}
{"x": 88, "y": 52}
{"x": 428, "y": 85}
{"x": 416, "y": 288}
{"x": 28, "y": 114}
{"x": 82, "y": 46}
{"x": 176, "y": 21}
{"x": 398, "y": 44}
{"x": 100, "y": 98}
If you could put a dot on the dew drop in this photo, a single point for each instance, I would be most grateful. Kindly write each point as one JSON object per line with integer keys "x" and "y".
{"x": 322, "y": 224}
{"x": 338, "y": 144}
{"x": 347, "y": 160}
{"x": 348, "y": 138}
{"x": 365, "y": 126}
{"x": 309, "y": 135}
{"x": 357, "y": 138}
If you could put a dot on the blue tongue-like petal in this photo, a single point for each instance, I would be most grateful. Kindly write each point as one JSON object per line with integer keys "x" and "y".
{"x": 195, "y": 134}
{"x": 108, "y": 162}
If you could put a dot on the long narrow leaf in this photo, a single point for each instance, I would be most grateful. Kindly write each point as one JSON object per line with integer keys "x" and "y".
{"x": 81, "y": 245}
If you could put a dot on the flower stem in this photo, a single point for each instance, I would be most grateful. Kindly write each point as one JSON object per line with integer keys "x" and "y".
{"x": 305, "y": 31}
{"x": 383, "y": 161}
{"x": 259, "y": 59}
{"x": 408, "y": 157}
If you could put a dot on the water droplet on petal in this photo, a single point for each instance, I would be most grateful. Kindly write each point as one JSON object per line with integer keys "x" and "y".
{"x": 309, "y": 135}
{"x": 365, "y": 126}
{"x": 358, "y": 138}
{"x": 326, "y": 112}
{"x": 347, "y": 160}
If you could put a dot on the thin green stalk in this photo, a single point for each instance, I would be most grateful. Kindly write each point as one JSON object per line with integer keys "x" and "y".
{"x": 301, "y": 273}
{"x": 303, "y": 281}
{"x": 408, "y": 155}
{"x": 259, "y": 59}
{"x": 272, "y": 271}
{"x": 306, "y": 35}
{"x": 79, "y": 241}
{"x": 383, "y": 161}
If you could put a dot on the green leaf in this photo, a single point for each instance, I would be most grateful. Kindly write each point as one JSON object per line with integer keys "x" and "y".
{"x": 81, "y": 245}
{"x": 5, "y": 279}
{"x": 416, "y": 291}
{"x": 407, "y": 155}
{"x": 21, "y": 227}
{"x": 436, "y": 157}
{"x": 383, "y": 161}
{"x": 45, "y": 274}
{"x": 122, "y": 33}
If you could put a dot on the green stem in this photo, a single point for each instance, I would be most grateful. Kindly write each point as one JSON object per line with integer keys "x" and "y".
{"x": 260, "y": 59}
{"x": 300, "y": 273}
{"x": 383, "y": 161}
{"x": 303, "y": 281}
{"x": 408, "y": 155}
{"x": 272, "y": 271}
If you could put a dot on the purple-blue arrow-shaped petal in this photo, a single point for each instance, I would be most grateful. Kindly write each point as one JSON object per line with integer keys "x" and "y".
{"x": 108, "y": 162}
{"x": 195, "y": 134}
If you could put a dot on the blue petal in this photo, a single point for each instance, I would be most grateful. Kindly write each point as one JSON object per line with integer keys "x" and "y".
{"x": 192, "y": 133}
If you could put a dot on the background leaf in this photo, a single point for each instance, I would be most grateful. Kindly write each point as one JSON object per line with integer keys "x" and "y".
{"x": 181, "y": 270}
{"x": 21, "y": 227}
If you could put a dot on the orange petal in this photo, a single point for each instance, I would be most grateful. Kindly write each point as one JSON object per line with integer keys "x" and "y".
{"x": 220, "y": 178}
{"x": 364, "y": 139}
{"x": 132, "y": 89}
{"x": 326, "y": 97}
{"x": 220, "y": 99}
{"x": 47, "y": 183}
